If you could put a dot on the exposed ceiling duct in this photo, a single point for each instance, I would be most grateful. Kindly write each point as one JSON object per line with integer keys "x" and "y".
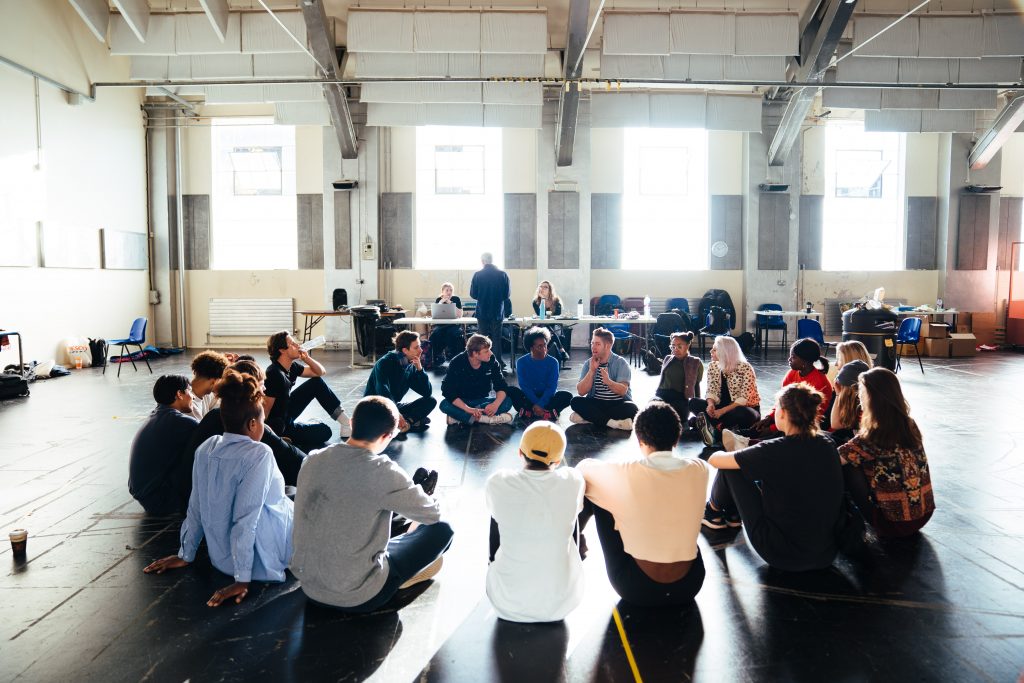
{"x": 321, "y": 40}
{"x": 572, "y": 66}
{"x": 1008, "y": 120}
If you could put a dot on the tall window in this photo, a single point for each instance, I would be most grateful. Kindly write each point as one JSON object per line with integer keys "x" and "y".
{"x": 864, "y": 190}
{"x": 665, "y": 203}
{"x": 459, "y": 209}
{"x": 253, "y": 206}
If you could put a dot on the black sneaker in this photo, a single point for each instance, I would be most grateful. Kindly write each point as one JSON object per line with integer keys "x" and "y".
{"x": 707, "y": 432}
{"x": 713, "y": 519}
{"x": 426, "y": 479}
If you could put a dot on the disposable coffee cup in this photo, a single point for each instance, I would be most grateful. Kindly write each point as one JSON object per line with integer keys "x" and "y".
{"x": 78, "y": 362}
{"x": 19, "y": 540}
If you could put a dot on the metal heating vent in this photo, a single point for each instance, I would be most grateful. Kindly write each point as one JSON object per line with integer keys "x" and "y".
{"x": 250, "y": 317}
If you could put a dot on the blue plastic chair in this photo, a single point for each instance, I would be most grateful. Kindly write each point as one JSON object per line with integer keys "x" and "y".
{"x": 909, "y": 333}
{"x": 678, "y": 303}
{"x": 808, "y": 328}
{"x": 607, "y": 303}
{"x": 136, "y": 337}
{"x": 767, "y": 323}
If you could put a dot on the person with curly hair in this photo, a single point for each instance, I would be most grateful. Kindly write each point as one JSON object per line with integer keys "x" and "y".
{"x": 207, "y": 369}
{"x": 238, "y": 503}
{"x": 537, "y": 396}
{"x": 787, "y": 493}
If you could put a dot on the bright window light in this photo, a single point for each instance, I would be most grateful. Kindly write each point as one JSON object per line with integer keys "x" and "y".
{"x": 253, "y": 220}
{"x": 665, "y": 202}
{"x": 459, "y": 201}
{"x": 864, "y": 197}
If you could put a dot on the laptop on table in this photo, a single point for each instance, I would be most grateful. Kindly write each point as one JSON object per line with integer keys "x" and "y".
{"x": 443, "y": 311}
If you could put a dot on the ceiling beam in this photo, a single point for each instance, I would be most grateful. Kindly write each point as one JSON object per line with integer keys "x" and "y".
{"x": 572, "y": 67}
{"x": 1007, "y": 121}
{"x": 136, "y": 15}
{"x": 95, "y": 14}
{"x": 823, "y": 27}
{"x": 217, "y": 12}
{"x": 321, "y": 41}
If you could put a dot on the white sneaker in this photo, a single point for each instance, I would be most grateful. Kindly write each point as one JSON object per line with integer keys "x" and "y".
{"x": 625, "y": 425}
{"x": 501, "y": 419}
{"x": 733, "y": 441}
{"x": 485, "y": 419}
{"x": 577, "y": 419}
{"x": 425, "y": 574}
{"x": 345, "y": 423}
{"x": 453, "y": 421}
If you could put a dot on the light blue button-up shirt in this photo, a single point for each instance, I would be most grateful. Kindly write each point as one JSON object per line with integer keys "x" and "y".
{"x": 238, "y": 504}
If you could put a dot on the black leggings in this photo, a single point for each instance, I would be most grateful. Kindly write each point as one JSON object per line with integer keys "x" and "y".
{"x": 740, "y": 417}
{"x": 599, "y": 412}
{"x": 677, "y": 400}
{"x": 558, "y": 402}
{"x": 732, "y": 491}
{"x": 625, "y": 575}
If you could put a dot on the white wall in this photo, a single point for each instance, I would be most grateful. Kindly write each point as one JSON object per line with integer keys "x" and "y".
{"x": 1013, "y": 166}
{"x": 94, "y": 176}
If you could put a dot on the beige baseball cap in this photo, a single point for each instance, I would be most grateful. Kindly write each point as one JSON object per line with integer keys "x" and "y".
{"x": 543, "y": 441}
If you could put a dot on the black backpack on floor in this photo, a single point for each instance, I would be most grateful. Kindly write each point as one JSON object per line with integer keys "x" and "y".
{"x": 99, "y": 349}
{"x": 13, "y": 386}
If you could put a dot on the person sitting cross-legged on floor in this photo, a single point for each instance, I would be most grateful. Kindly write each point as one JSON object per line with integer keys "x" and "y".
{"x": 347, "y": 493}
{"x": 787, "y": 492}
{"x": 238, "y": 503}
{"x": 535, "y": 573}
{"x": 884, "y": 465}
{"x": 648, "y": 513}
{"x": 288, "y": 456}
{"x": 467, "y": 386}
{"x": 537, "y": 396}
{"x": 732, "y": 400}
{"x": 396, "y": 373}
{"x": 207, "y": 369}
{"x": 159, "y": 472}
{"x": 284, "y": 405}
{"x": 604, "y": 395}
{"x": 681, "y": 375}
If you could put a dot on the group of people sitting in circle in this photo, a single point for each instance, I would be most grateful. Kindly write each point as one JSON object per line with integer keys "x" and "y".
{"x": 225, "y": 448}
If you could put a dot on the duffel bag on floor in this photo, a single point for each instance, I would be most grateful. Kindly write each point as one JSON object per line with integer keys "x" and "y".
{"x": 12, "y": 386}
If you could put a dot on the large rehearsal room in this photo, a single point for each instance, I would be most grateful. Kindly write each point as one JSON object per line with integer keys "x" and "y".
{"x": 587, "y": 341}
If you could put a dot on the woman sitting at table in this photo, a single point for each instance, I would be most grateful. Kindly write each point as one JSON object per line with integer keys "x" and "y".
{"x": 552, "y": 307}
{"x": 447, "y": 339}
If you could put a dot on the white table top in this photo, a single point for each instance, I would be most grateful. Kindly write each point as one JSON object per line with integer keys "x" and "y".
{"x": 465, "y": 320}
{"x": 532, "y": 321}
{"x": 944, "y": 311}
{"x": 789, "y": 314}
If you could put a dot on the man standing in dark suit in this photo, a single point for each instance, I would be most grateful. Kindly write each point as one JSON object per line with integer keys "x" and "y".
{"x": 490, "y": 287}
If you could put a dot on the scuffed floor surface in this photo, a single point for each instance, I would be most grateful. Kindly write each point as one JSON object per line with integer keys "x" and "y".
{"x": 947, "y": 606}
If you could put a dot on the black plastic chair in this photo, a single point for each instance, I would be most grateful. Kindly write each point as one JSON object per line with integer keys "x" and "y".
{"x": 136, "y": 337}
{"x": 661, "y": 335}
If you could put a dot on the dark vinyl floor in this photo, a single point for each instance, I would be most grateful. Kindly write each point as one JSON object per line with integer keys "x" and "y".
{"x": 946, "y": 606}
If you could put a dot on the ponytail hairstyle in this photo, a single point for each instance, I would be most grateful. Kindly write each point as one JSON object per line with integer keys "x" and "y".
{"x": 886, "y": 421}
{"x": 801, "y": 402}
{"x": 241, "y": 401}
{"x": 807, "y": 349}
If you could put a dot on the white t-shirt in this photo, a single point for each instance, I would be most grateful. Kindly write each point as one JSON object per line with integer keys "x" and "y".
{"x": 201, "y": 406}
{"x": 537, "y": 574}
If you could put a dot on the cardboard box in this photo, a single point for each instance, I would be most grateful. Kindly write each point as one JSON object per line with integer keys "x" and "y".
{"x": 963, "y": 345}
{"x": 934, "y": 330}
{"x": 983, "y": 326}
{"x": 937, "y": 348}
{"x": 907, "y": 350}
{"x": 963, "y": 329}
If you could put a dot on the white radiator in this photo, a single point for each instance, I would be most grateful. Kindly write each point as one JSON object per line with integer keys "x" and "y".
{"x": 250, "y": 317}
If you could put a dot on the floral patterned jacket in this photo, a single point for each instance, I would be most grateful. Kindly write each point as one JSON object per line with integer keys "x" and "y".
{"x": 900, "y": 480}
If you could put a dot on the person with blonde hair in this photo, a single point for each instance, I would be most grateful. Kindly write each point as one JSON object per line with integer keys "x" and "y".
{"x": 787, "y": 493}
{"x": 474, "y": 388}
{"x": 446, "y": 340}
{"x": 884, "y": 465}
{"x": 732, "y": 400}
{"x": 849, "y": 351}
{"x": 846, "y": 408}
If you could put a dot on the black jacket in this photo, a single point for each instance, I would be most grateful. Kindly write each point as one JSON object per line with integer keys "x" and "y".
{"x": 462, "y": 381}
{"x": 490, "y": 287}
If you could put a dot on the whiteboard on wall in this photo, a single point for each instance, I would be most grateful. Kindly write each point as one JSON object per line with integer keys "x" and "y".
{"x": 19, "y": 245}
{"x": 67, "y": 247}
{"x": 124, "y": 250}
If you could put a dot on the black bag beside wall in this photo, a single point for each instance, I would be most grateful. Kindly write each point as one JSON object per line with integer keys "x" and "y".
{"x": 99, "y": 349}
{"x": 13, "y": 386}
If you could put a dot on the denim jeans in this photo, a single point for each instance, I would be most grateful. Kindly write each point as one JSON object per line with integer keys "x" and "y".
{"x": 450, "y": 409}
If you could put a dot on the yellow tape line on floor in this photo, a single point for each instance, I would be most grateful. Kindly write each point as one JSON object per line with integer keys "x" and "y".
{"x": 625, "y": 645}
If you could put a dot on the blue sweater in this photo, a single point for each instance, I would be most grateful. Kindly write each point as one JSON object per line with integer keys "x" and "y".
{"x": 537, "y": 378}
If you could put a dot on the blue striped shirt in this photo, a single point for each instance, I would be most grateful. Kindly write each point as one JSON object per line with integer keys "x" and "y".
{"x": 618, "y": 371}
{"x": 238, "y": 504}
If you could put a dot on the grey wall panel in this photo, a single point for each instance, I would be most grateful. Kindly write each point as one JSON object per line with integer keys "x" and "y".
{"x": 773, "y": 231}
{"x": 922, "y": 233}
{"x": 727, "y": 226}
{"x": 342, "y": 230}
{"x": 563, "y": 230}
{"x": 396, "y": 229}
{"x": 196, "y": 219}
{"x": 605, "y": 230}
{"x": 310, "y": 222}
{"x": 972, "y": 232}
{"x": 812, "y": 222}
{"x": 520, "y": 230}
{"x": 1009, "y": 229}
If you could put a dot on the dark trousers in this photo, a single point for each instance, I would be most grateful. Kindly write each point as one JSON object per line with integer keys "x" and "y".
{"x": 599, "y": 412}
{"x": 289, "y": 457}
{"x": 626, "y": 577}
{"x": 732, "y": 491}
{"x": 407, "y": 555}
{"x": 492, "y": 330}
{"x": 677, "y": 400}
{"x": 171, "y": 497}
{"x": 446, "y": 339}
{"x": 558, "y": 402}
{"x": 310, "y": 435}
{"x": 415, "y": 411}
{"x": 741, "y": 417}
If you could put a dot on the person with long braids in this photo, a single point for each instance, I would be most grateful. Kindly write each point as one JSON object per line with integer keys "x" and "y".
{"x": 884, "y": 465}
{"x": 238, "y": 502}
{"x": 787, "y": 493}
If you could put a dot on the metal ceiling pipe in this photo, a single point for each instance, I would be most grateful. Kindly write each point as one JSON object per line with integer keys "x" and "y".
{"x": 325, "y": 54}
{"x": 572, "y": 67}
{"x": 1008, "y": 120}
